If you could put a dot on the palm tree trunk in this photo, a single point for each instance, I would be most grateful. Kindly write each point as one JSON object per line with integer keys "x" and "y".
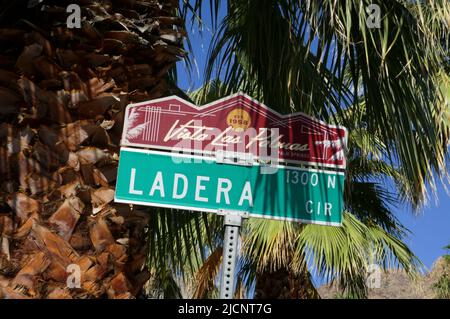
{"x": 63, "y": 93}
{"x": 284, "y": 284}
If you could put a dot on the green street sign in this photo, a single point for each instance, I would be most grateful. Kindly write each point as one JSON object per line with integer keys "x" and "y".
{"x": 201, "y": 184}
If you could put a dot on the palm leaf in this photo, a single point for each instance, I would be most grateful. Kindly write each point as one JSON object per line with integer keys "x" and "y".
{"x": 321, "y": 57}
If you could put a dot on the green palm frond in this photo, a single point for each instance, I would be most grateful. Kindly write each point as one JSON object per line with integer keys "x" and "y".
{"x": 344, "y": 254}
{"x": 269, "y": 243}
{"x": 340, "y": 255}
{"x": 179, "y": 240}
{"x": 211, "y": 91}
{"x": 164, "y": 285}
{"x": 371, "y": 229}
{"x": 321, "y": 57}
{"x": 371, "y": 204}
{"x": 389, "y": 86}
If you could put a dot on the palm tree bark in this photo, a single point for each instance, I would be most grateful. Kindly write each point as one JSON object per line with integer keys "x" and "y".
{"x": 63, "y": 93}
{"x": 284, "y": 284}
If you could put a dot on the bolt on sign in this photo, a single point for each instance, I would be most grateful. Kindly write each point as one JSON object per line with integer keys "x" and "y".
{"x": 236, "y": 124}
{"x": 199, "y": 183}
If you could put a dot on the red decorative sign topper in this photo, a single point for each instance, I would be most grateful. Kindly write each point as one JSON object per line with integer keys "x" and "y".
{"x": 236, "y": 124}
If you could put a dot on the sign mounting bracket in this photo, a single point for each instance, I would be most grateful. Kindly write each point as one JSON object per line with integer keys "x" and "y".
{"x": 224, "y": 157}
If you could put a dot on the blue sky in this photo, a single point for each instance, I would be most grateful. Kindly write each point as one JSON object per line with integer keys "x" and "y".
{"x": 430, "y": 228}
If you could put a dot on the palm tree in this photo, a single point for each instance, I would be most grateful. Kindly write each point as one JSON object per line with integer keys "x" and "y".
{"x": 280, "y": 257}
{"x": 386, "y": 84}
{"x": 63, "y": 92}
{"x": 320, "y": 57}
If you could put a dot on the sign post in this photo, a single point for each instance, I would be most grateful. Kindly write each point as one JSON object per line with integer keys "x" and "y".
{"x": 237, "y": 162}
{"x": 232, "y": 222}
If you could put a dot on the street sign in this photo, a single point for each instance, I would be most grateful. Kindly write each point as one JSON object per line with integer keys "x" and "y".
{"x": 239, "y": 144}
{"x": 236, "y": 124}
{"x": 199, "y": 183}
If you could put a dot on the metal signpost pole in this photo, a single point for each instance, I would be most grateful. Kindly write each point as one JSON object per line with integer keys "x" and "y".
{"x": 232, "y": 223}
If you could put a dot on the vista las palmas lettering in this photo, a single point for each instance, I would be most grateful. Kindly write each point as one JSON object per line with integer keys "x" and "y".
{"x": 200, "y": 133}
